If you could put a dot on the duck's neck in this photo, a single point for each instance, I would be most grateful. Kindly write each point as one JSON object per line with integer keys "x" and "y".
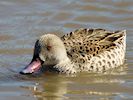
{"x": 65, "y": 66}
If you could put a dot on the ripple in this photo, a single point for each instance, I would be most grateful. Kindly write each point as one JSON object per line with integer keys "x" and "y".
{"x": 23, "y": 21}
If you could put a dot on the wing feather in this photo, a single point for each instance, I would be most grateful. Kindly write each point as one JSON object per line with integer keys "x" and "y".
{"x": 91, "y": 42}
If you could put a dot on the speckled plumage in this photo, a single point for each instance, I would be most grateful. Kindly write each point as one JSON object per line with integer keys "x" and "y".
{"x": 95, "y": 50}
{"x": 92, "y": 50}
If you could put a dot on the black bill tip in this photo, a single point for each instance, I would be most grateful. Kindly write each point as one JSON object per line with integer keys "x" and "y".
{"x": 24, "y": 73}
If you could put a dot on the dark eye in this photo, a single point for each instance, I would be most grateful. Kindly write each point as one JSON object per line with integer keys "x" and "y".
{"x": 48, "y": 47}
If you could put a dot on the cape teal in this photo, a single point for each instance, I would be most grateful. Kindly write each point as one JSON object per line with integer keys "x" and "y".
{"x": 92, "y": 50}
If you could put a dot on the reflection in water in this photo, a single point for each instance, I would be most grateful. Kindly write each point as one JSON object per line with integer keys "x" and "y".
{"x": 89, "y": 85}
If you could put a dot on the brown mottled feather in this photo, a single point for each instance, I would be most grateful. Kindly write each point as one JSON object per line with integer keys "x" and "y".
{"x": 90, "y": 42}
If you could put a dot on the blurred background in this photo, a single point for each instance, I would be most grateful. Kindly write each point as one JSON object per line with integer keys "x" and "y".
{"x": 23, "y": 21}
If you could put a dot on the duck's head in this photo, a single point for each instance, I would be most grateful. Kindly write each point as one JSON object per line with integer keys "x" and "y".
{"x": 48, "y": 47}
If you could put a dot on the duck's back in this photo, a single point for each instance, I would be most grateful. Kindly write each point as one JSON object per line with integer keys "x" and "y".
{"x": 95, "y": 49}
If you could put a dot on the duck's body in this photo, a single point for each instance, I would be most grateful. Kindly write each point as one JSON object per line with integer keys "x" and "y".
{"x": 93, "y": 50}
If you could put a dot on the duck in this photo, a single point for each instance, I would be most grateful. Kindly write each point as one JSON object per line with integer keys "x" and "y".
{"x": 83, "y": 50}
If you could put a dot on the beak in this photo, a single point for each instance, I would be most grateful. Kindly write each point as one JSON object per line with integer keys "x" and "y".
{"x": 33, "y": 67}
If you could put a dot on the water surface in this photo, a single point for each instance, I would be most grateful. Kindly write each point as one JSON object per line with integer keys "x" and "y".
{"x": 23, "y": 21}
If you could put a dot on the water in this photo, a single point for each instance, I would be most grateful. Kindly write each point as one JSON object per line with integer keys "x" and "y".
{"x": 23, "y": 21}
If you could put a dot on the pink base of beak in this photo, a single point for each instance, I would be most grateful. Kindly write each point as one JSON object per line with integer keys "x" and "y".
{"x": 32, "y": 67}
